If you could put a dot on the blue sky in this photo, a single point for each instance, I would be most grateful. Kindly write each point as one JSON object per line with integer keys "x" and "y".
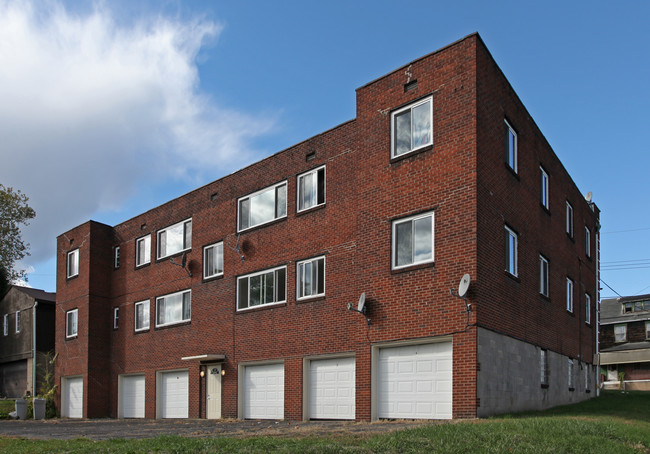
{"x": 110, "y": 109}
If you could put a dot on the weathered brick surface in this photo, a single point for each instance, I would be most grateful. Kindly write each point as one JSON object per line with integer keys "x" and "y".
{"x": 461, "y": 177}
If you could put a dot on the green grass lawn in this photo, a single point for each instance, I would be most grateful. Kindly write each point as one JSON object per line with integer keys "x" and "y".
{"x": 612, "y": 423}
{"x": 6, "y": 406}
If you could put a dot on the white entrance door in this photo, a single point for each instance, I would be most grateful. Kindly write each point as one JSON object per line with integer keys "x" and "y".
{"x": 332, "y": 388}
{"x": 73, "y": 393}
{"x": 132, "y": 398}
{"x": 213, "y": 394}
{"x": 174, "y": 394}
{"x": 415, "y": 381}
{"x": 264, "y": 392}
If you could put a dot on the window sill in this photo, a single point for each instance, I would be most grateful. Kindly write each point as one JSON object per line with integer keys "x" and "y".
{"x": 512, "y": 277}
{"x": 311, "y": 209}
{"x": 403, "y": 156}
{"x": 545, "y": 297}
{"x": 173, "y": 325}
{"x": 571, "y": 313}
{"x": 144, "y": 265}
{"x": 141, "y": 331}
{"x": 69, "y": 278}
{"x": 512, "y": 171}
{"x": 408, "y": 268}
{"x": 171, "y": 256}
{"x": 261, "y": 307}
{"x": 213, "y": 278}
{"x": 261, "y": 226}
{"x": 311, "y": 299}
{"x": 570, "y": 237}
{"x": 71, "y": 338}
{"x": 545, "y": 208}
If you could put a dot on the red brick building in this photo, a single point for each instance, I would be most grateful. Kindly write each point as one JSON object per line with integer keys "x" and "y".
{"x": 232, "y": 300}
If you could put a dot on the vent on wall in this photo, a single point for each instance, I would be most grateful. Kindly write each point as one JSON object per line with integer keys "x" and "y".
{"x": 310, "y": 156}
{"x": 412, "y": 85}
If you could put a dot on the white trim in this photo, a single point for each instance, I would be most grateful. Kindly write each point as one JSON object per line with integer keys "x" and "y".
{"x": 186, "y": 247}
{"x": 116, "y": 257}
{"x": 587, "y": 308}
{"x": 515, "y": 151}
{"x": 273, "y": 187}
{"x": 541, "y": 276}
{"x": 175, "y": 322}
{"x": 76, "y": 318}
{"x": 116, "y": 316}
{"x": 313, "y": 295}
{"x": 587, "y": 242}
{"x": 570, "y": 290}
{"x": 147, "y": 257}
{"x": 73, "y": 257}
{"x": 17, "y": 321}
{"x": 393, "y": 132}
{"x": 569, "y": 219}
{"x": 545, "y": 181}
{"x": 147, "y": 304}
{"x": 298, "y": 193}
{"x": 257, "y": 273}
{"x": 515, "y": 253}
{"x": 411, "y": 219}
{"x": 205, "y": 249}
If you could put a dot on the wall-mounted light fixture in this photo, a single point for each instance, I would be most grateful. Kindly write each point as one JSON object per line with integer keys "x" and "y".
{"x": 223, "y": 372}
{"x": 202, "y": 373}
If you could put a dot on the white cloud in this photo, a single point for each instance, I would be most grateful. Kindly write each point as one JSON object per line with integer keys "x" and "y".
{"x": 92, "y": 109}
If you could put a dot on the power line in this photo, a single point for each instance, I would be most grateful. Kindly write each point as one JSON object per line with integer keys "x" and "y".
{"x": 624, "y": 231}
{"x": 601, "y": 280}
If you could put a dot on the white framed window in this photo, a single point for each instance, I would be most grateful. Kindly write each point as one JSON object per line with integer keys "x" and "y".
{"x": 569, "y": 295}
{"x": 262, "y": 288}
{"x": 143, "y": 250}
{"x": 17, "y": 321}
{"x": 543, "y": 275}
{"x": 569, "y": 219}
{"x": 142, "y": 315}
{"x": 116, "y": 258}
{"x": 213, "y": 260}
{"x": 413, "y": 240}
{"x": 116, "y": 317}
{"x": 412, "y": 127}
{"x": 587, "y": 308}
{"x": 570, "y": 378}
{"x": 174, "y": 239}
{"x": 647, "y": 330}
{"x": 6, "y": 325}
{"x": 311, "y": 189}
{"x": 511, "y": 146}
{"x": 544, "y": 187}
{"x": 620, "y": 333}
{"x": 587, "y": 242}
{"x": 310, "y": 281}
{"x": 71, "y": 323}
{"x": 543, "y": 367}
{"x": 511, "y": 251}
{"x": 73, "y": 263}
{"x": 174, "y": 308}
{"x": 262, "y": 206}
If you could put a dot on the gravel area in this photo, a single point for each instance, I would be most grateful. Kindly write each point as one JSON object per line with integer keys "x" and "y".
{"x": 103, "y": 429}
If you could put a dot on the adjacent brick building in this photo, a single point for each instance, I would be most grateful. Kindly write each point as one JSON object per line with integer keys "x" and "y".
{"x": 233, "y": 300}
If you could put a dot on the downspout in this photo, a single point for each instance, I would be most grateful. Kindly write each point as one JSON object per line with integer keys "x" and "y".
{"x": 598, "y": 309}
{"x": 34, "y": 350}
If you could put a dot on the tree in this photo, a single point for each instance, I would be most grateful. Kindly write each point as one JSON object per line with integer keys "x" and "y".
{"x": 14, "y": 213}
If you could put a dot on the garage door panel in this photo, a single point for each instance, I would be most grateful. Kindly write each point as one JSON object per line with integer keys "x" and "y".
{"x": 332, "y": 388}
{"x": 174, "y": 394}
{"x": 73, "y": 405}
{"x": 264, "y": 391}
{"x": 133, "y": 396}
{"x": 415, "y": 381}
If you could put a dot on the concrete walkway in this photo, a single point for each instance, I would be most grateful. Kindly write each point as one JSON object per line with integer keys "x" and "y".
{"x": 103, "y": 429}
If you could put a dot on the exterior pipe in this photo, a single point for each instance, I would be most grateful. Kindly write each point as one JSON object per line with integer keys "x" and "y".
{"x": 34, "y": 350}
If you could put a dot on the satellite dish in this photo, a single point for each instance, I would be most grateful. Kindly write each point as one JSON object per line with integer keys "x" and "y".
{"x": 589, "y": 196}
{"x": 362, "y": 302}
{"x": 464, "y": 285}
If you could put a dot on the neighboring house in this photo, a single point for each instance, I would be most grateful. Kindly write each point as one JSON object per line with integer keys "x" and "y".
{"x": 625, "y": 342}
{"x": 27, "y": 332}
{"x": 233, "y": 300}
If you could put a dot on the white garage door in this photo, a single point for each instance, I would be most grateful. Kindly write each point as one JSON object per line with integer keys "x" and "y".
{"x": 174, "y": 394}
{"x": 331, "y": 388}
{"x": 73, "y": 391}
{"x": 132, "y": 391}
{"x": 414, "y": 382}
{"x": 264, "y": 391}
